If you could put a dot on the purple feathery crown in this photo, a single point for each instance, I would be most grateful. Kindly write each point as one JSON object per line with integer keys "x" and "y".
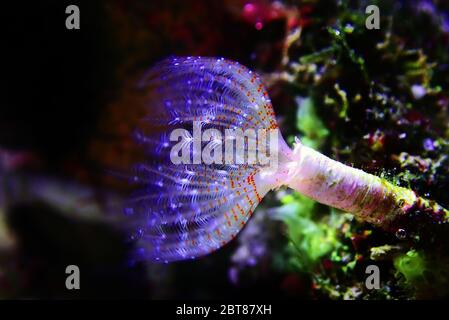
{"x": 183, "y": 211}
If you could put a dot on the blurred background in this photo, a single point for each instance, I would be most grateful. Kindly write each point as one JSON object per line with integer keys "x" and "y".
{"x": 376, "y": 99}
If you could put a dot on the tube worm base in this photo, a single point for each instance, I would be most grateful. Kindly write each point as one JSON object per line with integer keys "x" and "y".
{"x": 368, "y": 197}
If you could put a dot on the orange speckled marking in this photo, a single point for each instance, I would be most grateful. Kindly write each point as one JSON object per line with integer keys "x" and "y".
{"x": 240, "y": 209}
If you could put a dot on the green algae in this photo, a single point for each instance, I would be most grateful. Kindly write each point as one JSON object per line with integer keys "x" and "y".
{"x": 309, "y": 123}
{"x": 378, "y": 99}
{"x": 309, "y": 240}
{"x": 411, "y": 265}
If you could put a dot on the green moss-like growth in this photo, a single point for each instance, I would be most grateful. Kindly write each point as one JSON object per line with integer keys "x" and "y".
{"x": 309, "y": 239}
{"x": 377, "y": 99}
{"x": 411, "y": 265}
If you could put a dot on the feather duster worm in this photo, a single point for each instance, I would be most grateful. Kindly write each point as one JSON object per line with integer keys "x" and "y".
{"x": 192, "y": 208}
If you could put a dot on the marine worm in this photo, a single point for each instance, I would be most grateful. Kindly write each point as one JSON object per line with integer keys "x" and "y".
{"x": 183, "y": 211}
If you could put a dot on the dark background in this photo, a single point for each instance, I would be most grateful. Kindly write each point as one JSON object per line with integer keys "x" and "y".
{"x": 67, "y": 103}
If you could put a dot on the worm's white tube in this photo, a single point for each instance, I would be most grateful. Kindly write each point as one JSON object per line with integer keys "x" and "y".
{"x": 327, "y": 181}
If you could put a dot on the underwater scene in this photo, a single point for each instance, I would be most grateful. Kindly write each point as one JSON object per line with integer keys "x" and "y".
{"x": 204, "y": 150}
